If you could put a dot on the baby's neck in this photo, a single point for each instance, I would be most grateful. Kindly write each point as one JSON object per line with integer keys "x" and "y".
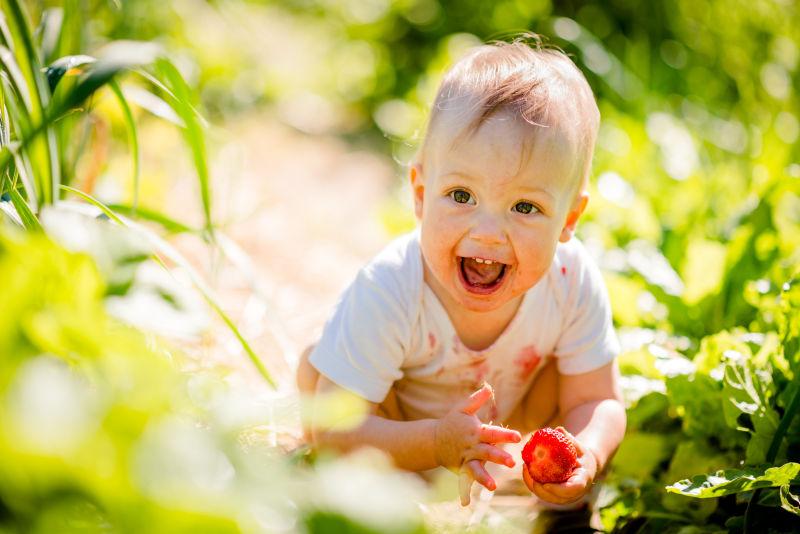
{"x": 479, "y": 330}
{"x": 476, "y": 330}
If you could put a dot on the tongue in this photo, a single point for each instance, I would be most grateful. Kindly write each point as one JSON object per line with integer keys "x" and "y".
{"x": 481, "y": 273}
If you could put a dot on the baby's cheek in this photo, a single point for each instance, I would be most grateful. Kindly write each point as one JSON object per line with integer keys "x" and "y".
{"x": 532, "y": 270}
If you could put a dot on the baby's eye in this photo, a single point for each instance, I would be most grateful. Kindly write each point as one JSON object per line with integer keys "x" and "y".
{"x": 462, "y": 197}
{"x": 524, "y": 207}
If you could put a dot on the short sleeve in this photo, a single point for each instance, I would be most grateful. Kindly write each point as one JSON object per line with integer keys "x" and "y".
{"x": 363, "y": 344}
{"x": 588, "y": 340}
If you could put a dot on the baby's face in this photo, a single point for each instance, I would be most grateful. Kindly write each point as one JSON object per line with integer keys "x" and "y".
{"x": 493, "y": 206}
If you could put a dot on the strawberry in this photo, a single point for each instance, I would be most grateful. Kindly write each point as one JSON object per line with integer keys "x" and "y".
{"x": 550, "y": 455}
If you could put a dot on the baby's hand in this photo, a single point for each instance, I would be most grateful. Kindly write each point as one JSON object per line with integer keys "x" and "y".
{"x": 463, "y": 441}
{"x": 576, "y": 486}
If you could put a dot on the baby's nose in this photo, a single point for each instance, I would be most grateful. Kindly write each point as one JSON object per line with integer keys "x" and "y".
{"x": 489, "y": 229}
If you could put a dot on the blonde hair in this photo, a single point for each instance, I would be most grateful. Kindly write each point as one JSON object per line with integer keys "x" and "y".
{"x": 540, "y": 85}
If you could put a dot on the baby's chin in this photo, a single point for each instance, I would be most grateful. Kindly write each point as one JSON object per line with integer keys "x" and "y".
{"x": 485, "y": 303}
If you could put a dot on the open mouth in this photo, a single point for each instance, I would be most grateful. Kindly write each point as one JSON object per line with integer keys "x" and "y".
{"x": 480, "y": 275}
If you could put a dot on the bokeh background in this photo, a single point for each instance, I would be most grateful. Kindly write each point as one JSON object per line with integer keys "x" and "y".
{"x": 312, "y": 110}
{"x": 315, "y": 108}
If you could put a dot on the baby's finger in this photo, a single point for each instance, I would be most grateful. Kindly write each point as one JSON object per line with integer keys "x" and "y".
{"x": 476, "y": 400}
{"x": 498, "y": 434}
{"x": 526, "y": 477}
{"x": 480, "y": 474}
{"x": 490, "y": 453}
{"x": 464, "y": 486}
{"x": 577, "y": 484}
{"x": 552, "y": 498}
{"x": 544, "y": 491}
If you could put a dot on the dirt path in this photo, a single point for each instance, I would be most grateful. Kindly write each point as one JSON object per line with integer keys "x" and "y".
{"x": 304, "y": 210}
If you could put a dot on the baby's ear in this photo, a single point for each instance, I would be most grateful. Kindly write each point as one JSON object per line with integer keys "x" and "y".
{"x": 575, "y": 212}
{"x": 417, "y": 188}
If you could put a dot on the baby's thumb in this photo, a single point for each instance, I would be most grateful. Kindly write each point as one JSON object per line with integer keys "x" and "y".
{"x": 476, "y": 400}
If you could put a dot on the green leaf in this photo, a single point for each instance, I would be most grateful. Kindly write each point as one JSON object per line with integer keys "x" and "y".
{"x": 36, "y": 96}
{"x": 733, "y": 481}
{"x": 696, "y": 456}
{"x": 24, "y": 211}
{"x": 748, "y": 391}
{"x": 715, "y": 348}
{"x": 153, "y": 103}
{"x": 133, "y": 139}
{"x": 173, "y": 255}
{"x": 703, "y": 269}
{"x": 699, "y": 400}
{"x": 193, "y": 132}
{"x": 789, "y": 324}
{"x": 639, "y": 454}
{"x": 789, "y": 501}
{"x": 116, "y": 57}
{"x": 49, "y": 31}
{"x": 56, "y": 70}
{"x": 165, "y": 249}
{"x": 167, "y": 223}
{"x": 90, "y": 199}
{"x": 652, "y": 406}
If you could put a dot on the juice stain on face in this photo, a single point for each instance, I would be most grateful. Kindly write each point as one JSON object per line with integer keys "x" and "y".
{"x": 527, "y": 362}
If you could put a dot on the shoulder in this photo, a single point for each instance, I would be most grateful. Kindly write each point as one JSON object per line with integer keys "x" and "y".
{"x": 394, "y": 275}
{"x": 574, "y": 261}
{"x": 400, "y": 258}
{"x": 576, "y": 271}
{"x": 398, "y": 266}
{"x": 573, "y": 253}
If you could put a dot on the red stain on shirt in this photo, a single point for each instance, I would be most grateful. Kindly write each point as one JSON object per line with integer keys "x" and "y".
{"x": 564, "y": 271}
{"x": 481, "y": 369}
{"x": 527, "y": 362}
{"x": 431, "y": 339}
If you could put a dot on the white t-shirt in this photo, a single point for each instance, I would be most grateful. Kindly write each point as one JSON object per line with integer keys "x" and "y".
{"x": 389, "y": 328}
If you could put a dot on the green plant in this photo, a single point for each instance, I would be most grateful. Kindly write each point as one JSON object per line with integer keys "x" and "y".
{"x": 102, "y": 431}
{"x": 44, "y": 110}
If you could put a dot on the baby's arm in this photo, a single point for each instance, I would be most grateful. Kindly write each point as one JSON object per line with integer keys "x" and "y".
{"x": 459, "y": 438}
{"x": 591, "y": 409}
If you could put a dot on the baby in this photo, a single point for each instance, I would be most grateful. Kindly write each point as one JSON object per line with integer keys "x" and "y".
{"x": 491, "y": 319}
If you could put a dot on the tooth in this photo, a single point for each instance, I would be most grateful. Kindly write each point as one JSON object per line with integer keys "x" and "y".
{"x": 479, "y": 260}
{"x": 488, "y": 262}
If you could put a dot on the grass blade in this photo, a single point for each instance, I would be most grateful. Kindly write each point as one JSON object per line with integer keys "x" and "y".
{"x": 42, "y": 151}
{"x": 49, "y": 30}
{"x": 130, "y": 126}
{"x": 29, "y": 220}
{"x": 8, "y": 210}
{"x": 70, "y": 40}
{"x": 154, "y": 104}
{"x": 101, "y": 72}
{"x": 193, "y": 133}
{"x": 60, "y": 67}
{"x": 170, "y": 225}
{"x": 91, "y": 200}
{"x": 168, "y": 251}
